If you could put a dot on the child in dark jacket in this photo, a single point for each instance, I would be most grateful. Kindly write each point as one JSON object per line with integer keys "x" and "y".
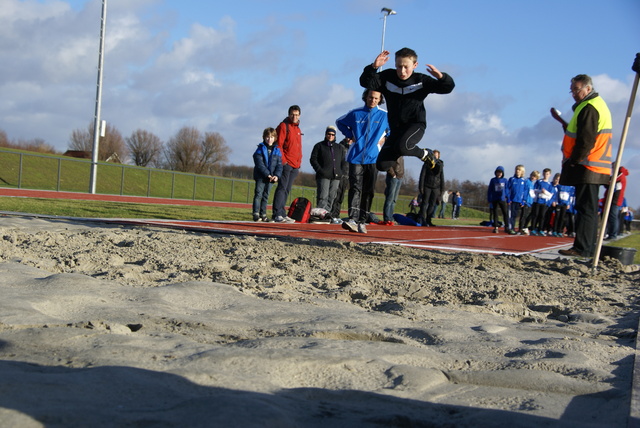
{"x": 497, "y": 198}
{"x": 267, "y": 170}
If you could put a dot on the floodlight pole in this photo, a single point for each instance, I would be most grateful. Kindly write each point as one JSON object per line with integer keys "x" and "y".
{"x": 386, "y": 12}
{"x": 97, "y": 123}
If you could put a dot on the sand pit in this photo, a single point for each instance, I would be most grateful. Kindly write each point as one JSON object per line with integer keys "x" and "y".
{"x": 123, "y": 326}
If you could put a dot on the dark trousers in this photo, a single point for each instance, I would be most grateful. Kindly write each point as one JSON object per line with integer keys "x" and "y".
{"x": 587, "y": 218}
{"x": 524, "y": 217}
{"x": 285, "y": 183}
{"x": 428, "y": 206}
{"x": 538, "y": 212}
{"x": 362, "y": 181}
{"x": 502, "y": 206}
{"x": 402, "y": 142}
{"x": 558, "y": 224}
{"x": 337, "y": 202}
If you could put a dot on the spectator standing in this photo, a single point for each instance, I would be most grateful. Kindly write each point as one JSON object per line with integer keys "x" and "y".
{"x": 328, "y": 161}
{"x": 616, "y": 203}
{"x": 628, "y": 218}
{"x": 267, "y": 161}
{"x": 586, "y": 160}
{"x": 393, "y": 183}
{"x": 443, "y": 203}
{"x": 497, "y": 198}
{"x": 367, "y": 127}
{"x": 544, "y": 197}
{"x": 343, "y": 186}
{"x": 457, "y": 205}
{"x": 527, "y": 202}
{"x": 431, "y": 185}
{"x": 562, "y": 205}
{"x": 515, "y": 196}
{"x": 290, "y": 144}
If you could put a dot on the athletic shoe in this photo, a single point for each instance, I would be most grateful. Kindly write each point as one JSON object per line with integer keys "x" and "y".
{"x": 256, "y": 217}
{"x": 266, "y": 219}
{"x": 336, "y": 221}
{"x": 542, "y": 233}
{"x": 428, "y": 158}
{"x": 495, "y": 230}
{"x": 281, "y": 219}
{"x": 512, "y": 232}
{"x": 362, "y": 228}
{"x": 350, "y": 225}
{"x": 534, "y": 232}
{"x": 524, "y": 231}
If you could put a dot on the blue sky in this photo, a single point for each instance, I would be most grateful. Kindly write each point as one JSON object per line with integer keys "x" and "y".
{"x": 235, "y": 67}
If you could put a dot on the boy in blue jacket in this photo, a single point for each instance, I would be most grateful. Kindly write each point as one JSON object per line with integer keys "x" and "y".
{"x": 544, "y": 197}
{"x": 497, "y": 198}
{"x": 267, "y": 169}
{"x": 528, "y": 197}
{"x": 515, "y": 196}
{"x": 562, "y": 204}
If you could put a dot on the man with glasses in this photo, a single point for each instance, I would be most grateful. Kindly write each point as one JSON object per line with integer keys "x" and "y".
{"x": 290, "y": 144}
{"x": 586, "y": 160}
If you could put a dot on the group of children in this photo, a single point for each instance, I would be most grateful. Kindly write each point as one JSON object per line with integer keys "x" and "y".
{"x": 538, "y": 206}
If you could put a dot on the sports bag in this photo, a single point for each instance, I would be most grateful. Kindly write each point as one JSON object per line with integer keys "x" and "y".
{"x": 300, "y": 210}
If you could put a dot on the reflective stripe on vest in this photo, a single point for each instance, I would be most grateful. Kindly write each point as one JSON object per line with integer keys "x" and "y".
{"x": 599, "y": 159}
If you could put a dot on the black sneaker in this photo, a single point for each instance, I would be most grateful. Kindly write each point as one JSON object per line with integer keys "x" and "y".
{"x": 429, "y": 158}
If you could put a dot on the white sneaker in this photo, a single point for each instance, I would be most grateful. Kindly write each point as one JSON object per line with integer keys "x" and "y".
{"x": 362, "y": 228}
{"x": 350, "y": 225}
{"x": 336, "y": 221}
{"x": 288, "y": 219}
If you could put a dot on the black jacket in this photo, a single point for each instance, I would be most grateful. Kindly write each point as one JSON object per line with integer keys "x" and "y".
{"x": 328, "y": 160}
{"x": 432, "y": 178}
{"x": 405, "y": 98}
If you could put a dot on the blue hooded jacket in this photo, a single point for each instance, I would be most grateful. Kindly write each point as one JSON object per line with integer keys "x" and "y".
{"x": 497, "y": 190}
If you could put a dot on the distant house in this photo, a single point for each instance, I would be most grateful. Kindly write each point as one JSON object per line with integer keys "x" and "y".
{"x": 80, "y": 154}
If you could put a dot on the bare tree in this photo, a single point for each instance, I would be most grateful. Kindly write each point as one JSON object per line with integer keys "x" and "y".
{"x": 145, "y": 147}
{"x": 214, "y": 152}
{"x": 112, "y": 143}
{"x": 4, "y": 140}
{"x": 189, "y": 151}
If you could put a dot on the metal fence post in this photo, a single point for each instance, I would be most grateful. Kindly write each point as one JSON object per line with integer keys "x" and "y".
{"x": 20, "y": 173}
{"x": 59, "y": 174}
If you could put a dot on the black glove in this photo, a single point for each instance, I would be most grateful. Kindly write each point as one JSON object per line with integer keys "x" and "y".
{"x": 636, "y": 64}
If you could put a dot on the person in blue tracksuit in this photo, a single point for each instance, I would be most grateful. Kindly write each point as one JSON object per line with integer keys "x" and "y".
{"x": 529, "y": 195}
{"x": 515, "y": 196}
{"x": 544, "y": 197}
{"x": 562, "y": 201}
{"x": 267, "y": 170}
{"x": 497, "y": 198}
{"x": 367, "y": 128}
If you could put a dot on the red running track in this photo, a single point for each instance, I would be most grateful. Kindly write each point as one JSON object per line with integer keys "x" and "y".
{"x": 476, "y": 239}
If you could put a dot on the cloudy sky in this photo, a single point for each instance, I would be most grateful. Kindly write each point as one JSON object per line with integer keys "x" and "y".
{"x": 234, "y": 67}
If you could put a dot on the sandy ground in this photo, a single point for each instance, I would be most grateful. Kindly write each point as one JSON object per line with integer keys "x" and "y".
{"x": 136, "y": 327}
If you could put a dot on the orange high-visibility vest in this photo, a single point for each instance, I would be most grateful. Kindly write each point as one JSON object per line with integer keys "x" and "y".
{"x": 599, "y": 159}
